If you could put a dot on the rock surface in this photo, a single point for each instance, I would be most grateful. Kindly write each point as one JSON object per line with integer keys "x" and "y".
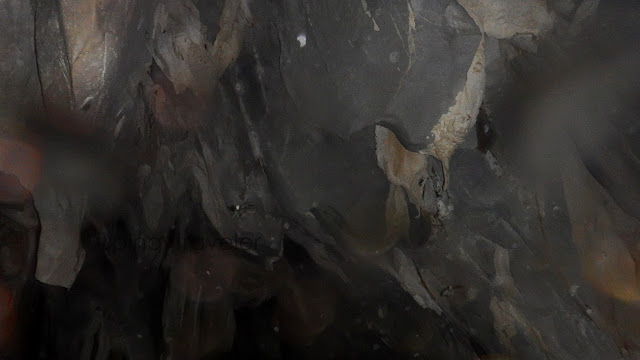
{"x": 199, "y": 179}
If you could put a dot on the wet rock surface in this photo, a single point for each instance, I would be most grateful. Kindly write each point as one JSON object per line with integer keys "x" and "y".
{"x": 191, "y": 179}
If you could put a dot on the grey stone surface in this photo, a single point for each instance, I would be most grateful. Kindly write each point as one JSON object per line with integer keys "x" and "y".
{"x": 264, "y": 178}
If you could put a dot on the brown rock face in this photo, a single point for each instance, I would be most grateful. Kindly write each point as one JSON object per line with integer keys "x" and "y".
{"x": 18, "y": 246}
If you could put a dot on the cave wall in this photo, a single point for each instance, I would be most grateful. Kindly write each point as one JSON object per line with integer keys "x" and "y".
{"x": 188, "y": 179}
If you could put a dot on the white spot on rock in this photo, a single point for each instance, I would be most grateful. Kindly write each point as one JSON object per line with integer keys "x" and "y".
{"x": 573, "y": 290}
{"x": 302, "y": 40}
{"x": 394, "y": 57}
